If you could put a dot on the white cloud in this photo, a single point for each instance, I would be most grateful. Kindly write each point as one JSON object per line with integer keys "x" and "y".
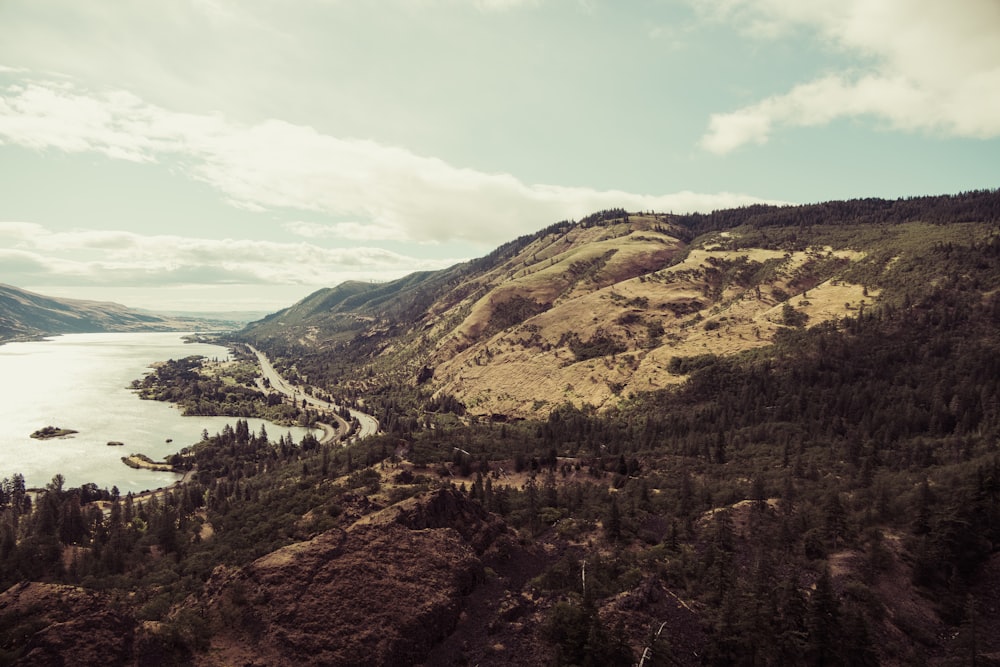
{"x": 56, "y": 116}
{"x": 309, "y": 230}
{"x": 354, "y": 231}
{"x": 481, "y": 5}
{"x": 103, "y": 257}
{"x": 22, "y": 263}
{"x": 390, "y": 191}
{"x": 16, "y": 232}
{"x": 925, "y": 66}
{"x": 503, "y": 5}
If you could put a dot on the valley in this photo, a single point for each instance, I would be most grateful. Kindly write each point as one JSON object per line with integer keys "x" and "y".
{"x": 764, "y": 436}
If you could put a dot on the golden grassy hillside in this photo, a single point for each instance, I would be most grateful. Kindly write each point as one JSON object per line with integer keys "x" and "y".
{"x": 531, "y": 333}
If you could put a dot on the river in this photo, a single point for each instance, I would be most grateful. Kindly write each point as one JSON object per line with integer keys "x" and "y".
{"x": 81, "y": 382}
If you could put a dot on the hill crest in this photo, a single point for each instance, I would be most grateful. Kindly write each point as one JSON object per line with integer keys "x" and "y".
{"x": 26, "y": 315}
{"x": 594, "y": 311}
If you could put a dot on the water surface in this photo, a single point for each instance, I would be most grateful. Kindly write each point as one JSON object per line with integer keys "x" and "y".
{"x": 81, "y": 382}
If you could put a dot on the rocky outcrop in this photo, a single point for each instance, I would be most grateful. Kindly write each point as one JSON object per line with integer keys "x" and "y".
{"x": 382, "y": 592}
{"x": 446, "y": 509}
{"x": 651, "y": 609}
{"x": 50, "y": 624}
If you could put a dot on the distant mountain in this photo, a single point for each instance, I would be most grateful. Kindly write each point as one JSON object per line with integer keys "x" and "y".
{"x": 593, "y": 311}
{"x": 26, "y": 315}
{"x": 237, "y": 318}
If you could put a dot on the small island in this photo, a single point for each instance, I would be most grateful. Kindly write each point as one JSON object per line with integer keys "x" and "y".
{"x": 143, "y": 462}
{"x": 49, "y": 432}
{"x": 115, "y": 443}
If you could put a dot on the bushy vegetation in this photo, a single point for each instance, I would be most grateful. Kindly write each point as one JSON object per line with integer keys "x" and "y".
{"x": 600, "y": 344}
{"x": 800, "y": 224}
{"x": 873, "y": 438}
{"x": 513, "y": 311}
{"x": 854, "y": 431}
{"x": 251, "y": 490}
{"x": 229, "y": 393}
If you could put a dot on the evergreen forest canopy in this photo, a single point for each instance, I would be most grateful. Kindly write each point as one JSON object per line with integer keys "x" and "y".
{"x": 830, "y": 498}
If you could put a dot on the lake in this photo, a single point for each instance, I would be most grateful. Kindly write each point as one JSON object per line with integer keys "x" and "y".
{"x": 81, "y": 382}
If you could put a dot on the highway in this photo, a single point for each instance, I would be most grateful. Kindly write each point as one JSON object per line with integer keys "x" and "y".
{"x": 367, "y": 425}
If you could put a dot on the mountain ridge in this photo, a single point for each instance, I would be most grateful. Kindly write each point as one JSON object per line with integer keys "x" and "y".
{"x": 26, "y": 315}
{"x": 824, "y": 489}
{"x": 592, "y": 312}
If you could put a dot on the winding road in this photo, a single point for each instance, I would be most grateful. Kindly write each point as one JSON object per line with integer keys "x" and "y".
{"x": 367, "y": 425}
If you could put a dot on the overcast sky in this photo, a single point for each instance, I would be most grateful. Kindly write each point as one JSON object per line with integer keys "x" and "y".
{"x": 238, "y": 154}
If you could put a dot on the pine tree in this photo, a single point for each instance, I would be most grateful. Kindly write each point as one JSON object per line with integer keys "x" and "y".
{"x": 968, "y": 637}
{"x": 71, "y": 526}
{"x": 613, "y": 521}
{"x": 823, "y": 623}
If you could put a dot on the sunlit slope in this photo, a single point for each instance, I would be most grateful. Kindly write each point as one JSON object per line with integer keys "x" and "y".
{"x": 606, "y": 313}
{"x": 593, "y": 311}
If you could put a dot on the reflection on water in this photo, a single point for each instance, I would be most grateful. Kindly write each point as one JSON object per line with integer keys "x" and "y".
{"x": 81, "y": 381}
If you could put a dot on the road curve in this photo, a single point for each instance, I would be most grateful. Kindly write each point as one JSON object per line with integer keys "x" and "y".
{"x": 367, "y": 425}
{"x": 329, "y": 432}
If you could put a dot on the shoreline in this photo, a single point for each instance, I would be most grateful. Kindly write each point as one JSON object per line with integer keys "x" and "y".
{"x": 327, "y": 432}
{"x": 143, "y": 462}
{"x": 52, "y": 433}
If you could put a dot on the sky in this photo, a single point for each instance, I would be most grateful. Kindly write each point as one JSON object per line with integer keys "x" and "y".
{"x": 233, "y": 155}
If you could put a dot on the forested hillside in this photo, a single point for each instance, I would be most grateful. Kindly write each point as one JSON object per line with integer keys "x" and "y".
{"x": 594, "y": 312}
{"x": 823, "y": 491}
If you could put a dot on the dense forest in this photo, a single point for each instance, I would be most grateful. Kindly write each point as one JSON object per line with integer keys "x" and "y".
{"x": 838, "y": 438}
{"x": 199, "y": 388}
{"x": 801, "y": 499}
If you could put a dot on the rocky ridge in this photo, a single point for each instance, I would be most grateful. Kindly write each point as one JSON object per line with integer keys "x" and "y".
{"x": 383, "y": 591}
